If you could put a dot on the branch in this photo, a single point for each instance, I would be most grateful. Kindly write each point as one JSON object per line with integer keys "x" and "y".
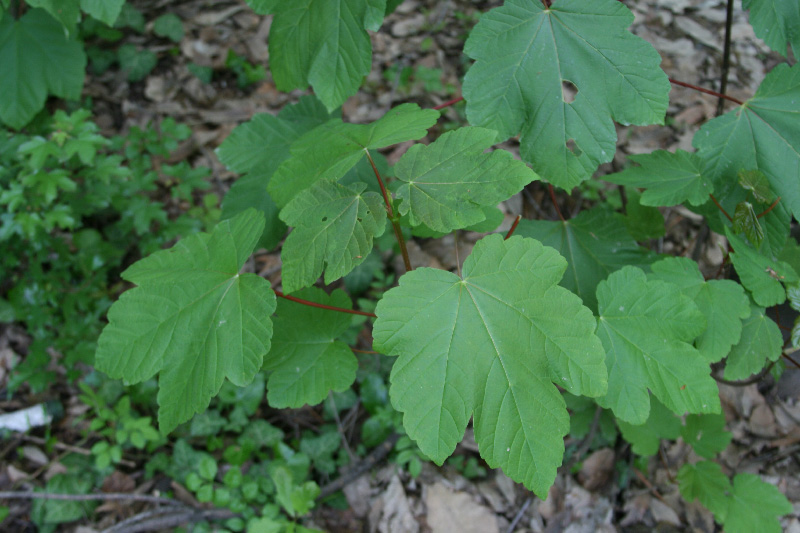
{"x": 726, "y": 57}
{"x": 323, "y": 306}
{"x": 354, "y": 473}
{"x": 398, "y": 233}
{"x": 118, "y": 496}
{"x": 707, "y": 91}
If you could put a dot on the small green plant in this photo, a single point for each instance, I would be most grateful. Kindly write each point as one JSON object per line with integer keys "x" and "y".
{"x": 74, "y": 205}
{"x": 246, "y": 72}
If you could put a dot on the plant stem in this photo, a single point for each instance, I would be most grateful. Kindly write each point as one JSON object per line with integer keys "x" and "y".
{"x": 398, "y": 234}
{"x": 323, "y": 306}
{"x": 115, "y": 496}
{"x": 555, "y": 203}
{"x": 707, "y": 91}
{"x": 448, "y": 103}
{"x": 795, "y": 363}
{"x": 770, "y": 208}
{"x": 749, "y": 381}
{"x": 726, "y": 57}
{"x": 513, "y": 227}
{"x": 720, "y": 207}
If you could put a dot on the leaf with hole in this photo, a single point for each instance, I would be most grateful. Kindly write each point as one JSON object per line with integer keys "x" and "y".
{"x": 446, "y": 184}
{"x": 723, "y": 303}
{"x": 646, "y": 328}
{"x": 331, "y": 149}
{"x": 521, "y": 89}
{"x": 491, "y": 344}
{"x": 307, "y": 361}
{"x": 193, "y": 319}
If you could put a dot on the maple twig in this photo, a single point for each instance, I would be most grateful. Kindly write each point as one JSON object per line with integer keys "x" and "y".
{"x": 398, "y": 233}
{"x": 513, "y": 227}
{"x": 720, "y": 207}
{"x": 553, "y": 198}
{"x": 787, "y": 356}
{"x": 770, "y": 208}
{"x": 707, "y": 91}
{"x": 726, "y": 57}
{"x": 323, "y": 306}
{"x": 372, "y": 352}
{"x": 448, "y": 103}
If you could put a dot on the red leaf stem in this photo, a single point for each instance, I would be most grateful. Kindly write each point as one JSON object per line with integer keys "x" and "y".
{"x": 323, "y": 306}
{"x": 555, "y": 203}
{"x": 720, "y": 207}
{"x": 448, "y": 103}
{"x": 707, "y": 91}
{"x": 398, "y": 234}
{"x": 513, "y": 227}
{"x": 770, "y": 208}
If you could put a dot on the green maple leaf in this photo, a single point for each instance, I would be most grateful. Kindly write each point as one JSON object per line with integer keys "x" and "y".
{"x": 67, "y": 12}
{"x": 761, "y": 340}
{"x": 257, "y": 148}
{"x": 334, "y": 228}
{"x": 38, "y": 59}
{"x": 306, "y": 361}
{"x": 760, "y": 135}
{"x": 491, "y": 344}
{"x": 723, "y": 303}
{"x": 643, "y": 222}
{"x": 746, "y": 221}
{"x": 323, "y": 43}
{"x": 193, "y": 319}
{"x": 669, "y": 178}
{"x": 761, "y": 275}
{"x": 595, "y": 244}
{"x": 585, "y": 44}
{"x": 646, "y": 327}
{"x": 757, "y": 183}
{"x": 446, "y": 184}
{"x": 706, "y": 434}
{"x": 331, "y": 149}
{"x": 705, "y": 482}
{"x": 754, "y": 506}
{"x": 646, "y": 438}
{"x": 106, "y": 11}
{"x": 776, "y": 22}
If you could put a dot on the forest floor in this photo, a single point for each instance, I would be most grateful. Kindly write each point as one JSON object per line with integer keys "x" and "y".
{"x": 418, "y": 58}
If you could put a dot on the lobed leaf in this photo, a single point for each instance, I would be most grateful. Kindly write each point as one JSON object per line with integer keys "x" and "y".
{"x": 491, "y": 343}
{"x": 306, "y": 360}
{"x": 38, "y": 59}
{"x": 761, "y": 340}
{"x": 754, "y": 506}
{"x": 760, "y": 135}
{"x": 331, "y": 149}
{"x": 706, "y": 482}
{"x": 646, "y": 327}
{"x": 334, "y": 229}
{"x": 580, "y": 44}
{"x": 646, "y": 438}
{"x": 106, "y": 11}
{"x": 595, "y": 244}
{"x": 776, "y": 22}
{"x": 723, "y": 303}
{"x": 761, "y": 275}
{"x": 323, "y": 43}
{"x": 669, "y": 178}
{"x": 706, "y": 434}
{"x": 446, "y": 184}
{"x": 193, "y": 319}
